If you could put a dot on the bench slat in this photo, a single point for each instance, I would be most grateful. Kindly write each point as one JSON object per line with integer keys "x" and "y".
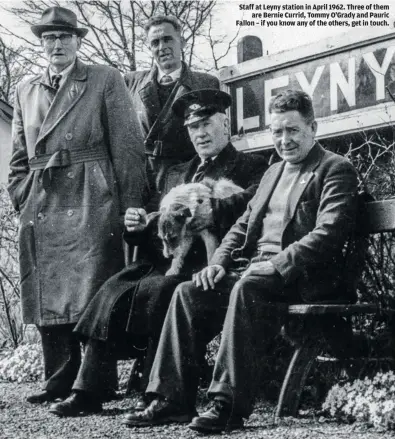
{"x": 341, "y": 310}
{"x": 380, "y": 216}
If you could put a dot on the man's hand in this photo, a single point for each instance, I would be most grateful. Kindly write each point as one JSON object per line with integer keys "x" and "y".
{"x": 135, "y": 219}
{"x": 263, "y": 268}
{"x": 209, "y": 276}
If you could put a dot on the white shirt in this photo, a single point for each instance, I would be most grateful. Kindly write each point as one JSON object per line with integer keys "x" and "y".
{"x": 65, "y": 73}
{"x": 174, "y": 75}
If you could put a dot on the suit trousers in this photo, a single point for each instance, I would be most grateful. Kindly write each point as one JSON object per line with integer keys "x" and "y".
{"x": 250, "y": 313}
{"x": 62, "y": 361}
{"x": 62, "y": 357}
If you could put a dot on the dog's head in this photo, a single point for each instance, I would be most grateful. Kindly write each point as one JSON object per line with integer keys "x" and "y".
{"x": 171, "y": 227}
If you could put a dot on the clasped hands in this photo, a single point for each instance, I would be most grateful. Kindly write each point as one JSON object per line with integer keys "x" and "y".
{"x": 212, "y": 274}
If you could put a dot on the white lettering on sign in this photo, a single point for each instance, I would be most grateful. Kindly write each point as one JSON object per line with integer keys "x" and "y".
{"x": 247, "y": 123}
{"x": 379, "y": 71}
{"x": 304, "y": 83}
{"x": 271, "y": 84}
{"x": 325, "y": 86}
{"x": 347, "y": 87}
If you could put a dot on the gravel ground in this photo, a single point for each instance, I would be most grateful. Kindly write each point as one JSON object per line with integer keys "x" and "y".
{"x": 21, "y": 420}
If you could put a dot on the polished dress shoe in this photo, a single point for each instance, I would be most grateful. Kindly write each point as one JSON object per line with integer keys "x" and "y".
{"x": 44, "y": 396}
{"x": 77, "y": 404}
{"x": 218, "y": 418}
{"x": 160, "y": 411}
{"x": 140, "y": 404}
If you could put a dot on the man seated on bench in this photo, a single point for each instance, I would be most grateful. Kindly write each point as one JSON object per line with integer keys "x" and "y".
{"x": 291, "y": 238}
{"x": 128, "y": 310}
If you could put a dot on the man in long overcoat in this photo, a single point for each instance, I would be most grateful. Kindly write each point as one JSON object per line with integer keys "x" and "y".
{"x": 131, "y": 306}
{"x": 289, "y": 245}
{"x": 154, "y": 91}
{"x": 77, "y": 164}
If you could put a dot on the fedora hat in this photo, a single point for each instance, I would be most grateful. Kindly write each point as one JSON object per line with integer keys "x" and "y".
{"x": 57, "y": 18}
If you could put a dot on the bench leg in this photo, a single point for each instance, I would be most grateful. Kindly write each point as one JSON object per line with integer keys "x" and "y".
{"x": 295, "y": 378}
{"x": 134, "y": 378}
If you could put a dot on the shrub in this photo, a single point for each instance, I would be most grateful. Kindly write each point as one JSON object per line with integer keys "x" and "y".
{"x": 369, "y": 400}
{"x": 22, "y": 364}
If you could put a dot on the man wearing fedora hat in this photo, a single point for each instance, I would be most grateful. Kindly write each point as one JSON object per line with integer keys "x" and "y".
{"x": 77, "y": 164}
{"x": 131, "y": 306}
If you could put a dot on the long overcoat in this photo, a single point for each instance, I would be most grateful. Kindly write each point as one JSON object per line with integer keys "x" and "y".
{"x": 77, "y": 164}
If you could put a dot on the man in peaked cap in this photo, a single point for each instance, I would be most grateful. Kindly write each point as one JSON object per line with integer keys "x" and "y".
{"x": 130, "y": 307}
{"x": 77, "y": 165}
{"x": 288, "y": 246}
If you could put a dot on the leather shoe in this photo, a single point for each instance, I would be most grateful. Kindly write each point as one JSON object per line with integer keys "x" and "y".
{"x": 160, "y": 411}
{"x": 140, "y": 404}
{"x": 44, "y": 396}
{"x": 77, "y": 404}
{"x": 218, "y": 418}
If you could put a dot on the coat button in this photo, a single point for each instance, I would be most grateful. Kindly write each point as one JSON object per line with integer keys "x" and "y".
{"x": 40, "y": 215}
{"x": 68, "y": 136}
{"x": 70, "y": 174}
{"x": 70, "y": 212}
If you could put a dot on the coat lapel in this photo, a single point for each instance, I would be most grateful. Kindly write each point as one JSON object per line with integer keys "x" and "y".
{"x": 44, "y": 81}
{"x": 149, "y": 96}
{"x": 262, "y": 197}
{"x": 302, "y": 181}
{"x": 223, "y": 165}
{"x": 161, "y": 119}
{"x": 65, "y": 99}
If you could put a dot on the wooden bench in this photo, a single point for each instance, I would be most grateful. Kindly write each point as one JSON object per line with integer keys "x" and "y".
{"x": 378, "y": 217}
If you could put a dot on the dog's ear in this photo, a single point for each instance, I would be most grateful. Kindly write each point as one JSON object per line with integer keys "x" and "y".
{"x": 152, "y": 216}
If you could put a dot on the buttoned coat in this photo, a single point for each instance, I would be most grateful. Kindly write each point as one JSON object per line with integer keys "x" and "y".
{"x": 71, "y": 211}
{"x": 169, "y": 129}
{"x": 319, "y": 218}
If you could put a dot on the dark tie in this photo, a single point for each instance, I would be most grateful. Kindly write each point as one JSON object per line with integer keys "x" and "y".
{"x": 166, "y": 80}
{"x": 56, "y": 81}
{"x": 199, "y": 174}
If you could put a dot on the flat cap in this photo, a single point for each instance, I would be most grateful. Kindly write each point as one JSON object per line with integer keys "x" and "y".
{"x": 200, "y": 104}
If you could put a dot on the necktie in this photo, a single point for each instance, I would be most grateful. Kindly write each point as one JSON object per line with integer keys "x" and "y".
{"x": 166, "y": 80}
{"x": 56, "y": 81}
{"x": 199, "y": 174}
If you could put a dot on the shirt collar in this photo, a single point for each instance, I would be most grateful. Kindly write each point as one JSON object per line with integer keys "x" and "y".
{"x": 65, "y": 72}
{"x": 174, "y": 75}
{"x": 202, "y": 160}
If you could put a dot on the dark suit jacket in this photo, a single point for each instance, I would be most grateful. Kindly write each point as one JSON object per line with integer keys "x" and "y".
{"x": 144, "y": 93}
{"x": 321, "y": 215}
{"x": 243, "y": 169}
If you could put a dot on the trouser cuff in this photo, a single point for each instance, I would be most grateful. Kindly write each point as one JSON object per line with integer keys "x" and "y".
{"x": 241, "y": 405}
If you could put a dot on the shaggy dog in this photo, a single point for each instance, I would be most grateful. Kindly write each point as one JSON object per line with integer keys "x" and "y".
{"x": 179, "y": 207}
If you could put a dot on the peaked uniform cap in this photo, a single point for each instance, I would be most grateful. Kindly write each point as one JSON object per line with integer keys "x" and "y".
{"x": 200, "y": 104}
{"x": 58, "y": 18}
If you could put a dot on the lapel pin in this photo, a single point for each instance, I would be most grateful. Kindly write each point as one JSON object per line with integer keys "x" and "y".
{"x": 303, "y": 181}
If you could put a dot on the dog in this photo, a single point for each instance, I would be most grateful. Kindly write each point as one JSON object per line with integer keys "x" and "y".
{"x": 179, "y": 207}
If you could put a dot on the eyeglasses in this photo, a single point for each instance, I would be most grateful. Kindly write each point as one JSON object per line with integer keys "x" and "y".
{"x": 50, "y": 40}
